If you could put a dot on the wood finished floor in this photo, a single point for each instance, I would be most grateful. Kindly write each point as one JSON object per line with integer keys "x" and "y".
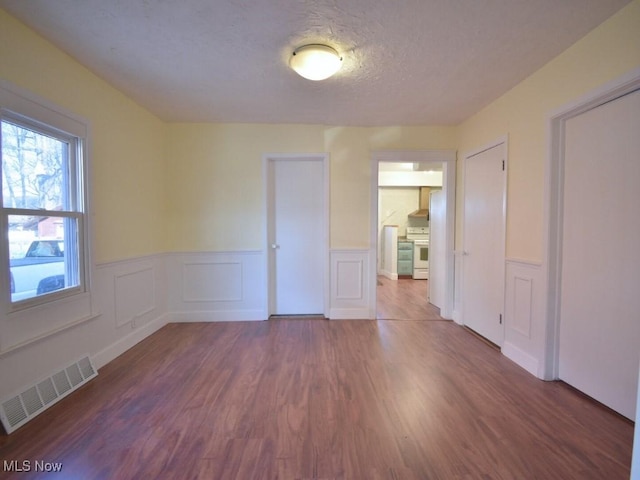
{"x": 404, "y": 299}
{"x": 316, "y": 399}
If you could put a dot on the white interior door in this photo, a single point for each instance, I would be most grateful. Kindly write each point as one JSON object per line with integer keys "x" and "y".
{"x": 297, "y": 239}
{"x": 600, "y": 302}
{"x": 484, "y": 240}
{"x": 437, "y": 247}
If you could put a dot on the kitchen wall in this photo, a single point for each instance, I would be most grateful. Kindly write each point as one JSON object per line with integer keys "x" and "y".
{"x": 396, "y": 203}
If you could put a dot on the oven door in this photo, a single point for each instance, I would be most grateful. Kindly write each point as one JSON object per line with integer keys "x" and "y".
{"x": 421, "y": 260}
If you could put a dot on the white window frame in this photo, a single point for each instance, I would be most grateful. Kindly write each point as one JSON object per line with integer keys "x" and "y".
{"x": 22, "y": 109}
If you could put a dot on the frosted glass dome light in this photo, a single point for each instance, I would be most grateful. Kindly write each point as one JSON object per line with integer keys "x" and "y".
{"x": 315, "y": 62}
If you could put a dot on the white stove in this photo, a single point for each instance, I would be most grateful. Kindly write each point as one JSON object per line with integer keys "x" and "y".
{"x": 420, "y": 237}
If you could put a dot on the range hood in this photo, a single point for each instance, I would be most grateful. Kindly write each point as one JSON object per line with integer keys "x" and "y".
{"x": 423, "y": 207}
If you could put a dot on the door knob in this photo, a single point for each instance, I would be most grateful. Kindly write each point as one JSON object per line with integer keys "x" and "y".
{"x": 275, "y": 246}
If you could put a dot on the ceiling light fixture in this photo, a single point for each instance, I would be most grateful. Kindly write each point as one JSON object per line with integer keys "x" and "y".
{"x": 315, "y": 62}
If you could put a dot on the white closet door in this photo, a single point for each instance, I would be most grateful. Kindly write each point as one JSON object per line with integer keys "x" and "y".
{"x": 298, "y": 238}
{"x": 600, "y": 287}
{"x": 483, "y": 261}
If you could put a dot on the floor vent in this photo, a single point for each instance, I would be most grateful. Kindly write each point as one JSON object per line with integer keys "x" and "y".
{"x": 17, "y": 410}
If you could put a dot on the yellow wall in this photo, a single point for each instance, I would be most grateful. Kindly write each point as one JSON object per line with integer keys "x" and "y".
{"x": 216, "y": 188}
{"x": 606, "y": 53}
{"x": 215, "y": 191}
{"x": 127, "y": 142}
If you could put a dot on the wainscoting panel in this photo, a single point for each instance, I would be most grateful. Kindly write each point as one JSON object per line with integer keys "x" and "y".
{"x": 524, "y": 315}
{"x": 135, "y": 294}
{"x": 217, "y": 286}
{"x": 349, "y": 280}
{"x": 131, "y": 295}
{"x": 522, "y": 298}
{"x": 349, "y": 284}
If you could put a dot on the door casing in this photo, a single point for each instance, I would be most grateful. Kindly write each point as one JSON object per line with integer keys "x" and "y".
{"x": 448, "y": 160}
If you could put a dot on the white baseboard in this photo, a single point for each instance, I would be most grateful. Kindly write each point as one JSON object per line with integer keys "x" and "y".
{"x": 389, "y": 275}
{"x": 116, "y": 349}
{"x": 349, "y": 314}
{"x": 218, "y": 316}
{"x": 521, "y": 358}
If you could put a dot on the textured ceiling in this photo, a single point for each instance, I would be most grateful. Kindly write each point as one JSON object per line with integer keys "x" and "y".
{"x": 406, "y": 62}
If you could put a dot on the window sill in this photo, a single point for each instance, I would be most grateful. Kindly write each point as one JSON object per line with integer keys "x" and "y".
{"x": 49, "y": 333}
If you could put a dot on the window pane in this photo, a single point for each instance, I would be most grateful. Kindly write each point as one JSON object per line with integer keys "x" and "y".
{"x": 43, "y": 255}
{"x": 33, "y": 169}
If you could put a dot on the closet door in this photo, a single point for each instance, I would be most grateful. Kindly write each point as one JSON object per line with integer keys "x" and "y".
{"x": 297, "y": 235}
{"x": 484, "y": 241}
{"x": 600, "y": 294}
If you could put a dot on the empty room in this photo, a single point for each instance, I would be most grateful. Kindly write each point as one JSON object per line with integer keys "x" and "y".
{"x": 319, "y": 240}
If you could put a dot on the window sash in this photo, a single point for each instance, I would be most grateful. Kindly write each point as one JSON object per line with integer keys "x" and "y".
{"x": 73, "y": 167}
{"x": 74, "y": 204}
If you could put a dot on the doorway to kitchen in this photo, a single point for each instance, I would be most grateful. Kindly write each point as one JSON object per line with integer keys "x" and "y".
{"x": 402, "y": 236}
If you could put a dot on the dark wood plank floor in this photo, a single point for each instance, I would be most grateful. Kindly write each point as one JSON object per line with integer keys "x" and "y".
{"x": 317, "y": 399}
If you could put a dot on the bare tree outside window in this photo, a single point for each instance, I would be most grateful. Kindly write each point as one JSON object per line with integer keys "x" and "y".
{"x": 32, "y": 167}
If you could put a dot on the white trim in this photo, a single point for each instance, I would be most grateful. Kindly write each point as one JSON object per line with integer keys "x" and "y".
{"x": 350, "y": 292}
{"x": 49, "y": 333}
{"x": 241, "y": 295}
{"x": 477, "y": 151}
{"x": 523, "y": 315}
{"x": 520, "y": 357}
{"x": 33, "y": 111}
{"x": 127, "y": 261}
{"x": 325, "y": 159}
{"x": 13, "y": 98}
{"x": 205, "y": 316}
{"x": 123, "y": 344}
{"x": 504, "y": 141}
{"x": 448, "y": 160}
{"x": 520, "y": 261}
{"x": 415, "y": 156}
{"x": 553, "y": 194}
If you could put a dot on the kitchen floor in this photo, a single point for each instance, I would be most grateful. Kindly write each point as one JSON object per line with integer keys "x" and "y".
{"x": 404, "y": 299}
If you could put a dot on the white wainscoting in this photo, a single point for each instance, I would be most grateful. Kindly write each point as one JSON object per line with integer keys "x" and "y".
{"x": 131, "y": 295}
{"x": 350, "y": 292}
{"x": 134, "y": 294}
{"x": 128, "y": 304}
{"x": 217, "y": 286}
{"x": 524, "y": 315}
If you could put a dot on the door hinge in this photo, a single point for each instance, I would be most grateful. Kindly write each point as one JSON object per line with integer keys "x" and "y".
{"x": 503, "y": 165}
{"x": 500, "y": 319}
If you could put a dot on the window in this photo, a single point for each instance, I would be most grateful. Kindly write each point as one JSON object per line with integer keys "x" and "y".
{"x": 43, "y": 211}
